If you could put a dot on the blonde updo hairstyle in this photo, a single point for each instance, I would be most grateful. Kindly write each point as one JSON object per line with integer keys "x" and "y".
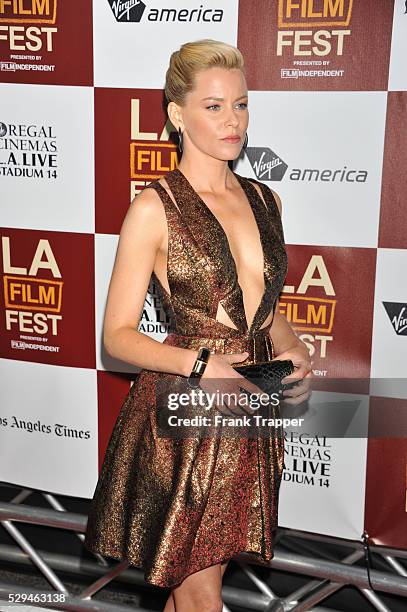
{"x": 193, "y": 57}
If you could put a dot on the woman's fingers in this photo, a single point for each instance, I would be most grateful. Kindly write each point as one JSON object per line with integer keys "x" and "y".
{"x": 299, "y": 374}
{"x": 299, "y": 399}
{"x": 302, "y": 386}
{"x": 235, "y": 393}
{"x": 227, "y": 394}
{"x": 243, "y": 389}
{"x": 236, "y": 401}
{"x": 232, "y": 358}
{"x": 249, "y": 385}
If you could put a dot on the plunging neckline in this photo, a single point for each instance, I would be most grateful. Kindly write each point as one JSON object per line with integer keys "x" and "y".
{"x": 227, "y": 243}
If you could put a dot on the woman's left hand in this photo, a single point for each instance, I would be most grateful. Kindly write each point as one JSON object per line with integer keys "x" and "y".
{"x": 301, "y": 391}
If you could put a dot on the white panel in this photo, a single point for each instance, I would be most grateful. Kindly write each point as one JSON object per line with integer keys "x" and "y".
{"x": 64, "y": 201}
{"x": 398, "y": 71}
{"x": 322, "y": 131}
{"x": 306, "y": 502}
{"x": 49, "y": 427}
{"x": 389, "y": 347}
{"x": 130, "y": 54}
{"x": 105, "y": 251}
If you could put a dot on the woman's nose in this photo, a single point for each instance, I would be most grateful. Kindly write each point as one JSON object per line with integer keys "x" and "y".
{"x": 232, "y": 118}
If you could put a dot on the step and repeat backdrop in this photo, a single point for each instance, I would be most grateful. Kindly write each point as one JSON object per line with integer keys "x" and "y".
{"x": 83, "y": 130}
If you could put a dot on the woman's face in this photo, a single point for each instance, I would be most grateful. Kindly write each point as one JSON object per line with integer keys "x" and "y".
{"x": 215, "y": 114}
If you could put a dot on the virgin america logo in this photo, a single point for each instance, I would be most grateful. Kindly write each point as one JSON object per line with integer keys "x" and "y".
{"x": 267, "y": 165}
{"x": 397, "y": 314}
{"x": 127, "y": 10}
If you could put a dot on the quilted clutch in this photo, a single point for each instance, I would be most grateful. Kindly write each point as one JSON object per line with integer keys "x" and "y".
{"x": 267, "y": 375}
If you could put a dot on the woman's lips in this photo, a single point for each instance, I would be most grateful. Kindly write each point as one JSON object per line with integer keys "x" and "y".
{"x": 231, "y": 139}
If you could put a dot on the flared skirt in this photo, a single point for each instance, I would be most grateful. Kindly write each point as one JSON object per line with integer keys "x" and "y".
{"x": 172, "y": 506}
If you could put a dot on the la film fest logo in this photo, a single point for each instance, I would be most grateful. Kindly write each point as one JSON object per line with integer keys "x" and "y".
{"x": 269, "y": 166}
{"x": 28, "y": 151}
{"x": 27, "y": 26}
{"x": 33, "y": 305}
{"x": 28, "y": 11}
{"x": 313, "y": 317}
{"x": 330, "y": 31}
{"x": 152, "y": 154}
{"x": 134, "y": 10}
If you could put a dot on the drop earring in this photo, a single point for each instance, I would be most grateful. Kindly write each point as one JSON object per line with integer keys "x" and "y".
{"x": 246, "y": 140}
{"x": 180, "y": 140}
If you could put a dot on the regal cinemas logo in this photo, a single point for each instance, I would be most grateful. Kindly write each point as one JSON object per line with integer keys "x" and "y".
{"x": 313, "y": 27}
{"x": 33, "y": 304}
{"x": 133, "y": 10}
{"x": 28, "y": 151}
{"x": 313, "y": 317}
{"x": 24, "y": 24}
{"x": 151, "y": 153}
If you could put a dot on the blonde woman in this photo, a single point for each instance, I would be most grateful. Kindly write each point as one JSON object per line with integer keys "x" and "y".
{"x": 180, "y": 509}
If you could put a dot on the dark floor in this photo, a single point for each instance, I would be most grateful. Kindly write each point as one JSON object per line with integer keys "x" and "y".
{"x": 347, "y": 599}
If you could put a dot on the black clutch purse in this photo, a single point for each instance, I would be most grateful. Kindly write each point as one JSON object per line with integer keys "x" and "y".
{"x": 267, "y": 375}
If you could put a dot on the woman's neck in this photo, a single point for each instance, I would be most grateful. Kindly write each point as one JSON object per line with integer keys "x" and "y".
{"x": 206, "y": 174}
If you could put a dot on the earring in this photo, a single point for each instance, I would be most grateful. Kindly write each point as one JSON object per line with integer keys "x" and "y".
{"x": 246, "y": 140}
{"x": 180, "y": 140}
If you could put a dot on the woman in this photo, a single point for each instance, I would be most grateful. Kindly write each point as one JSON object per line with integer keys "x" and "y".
{"x": 213, "y": 240}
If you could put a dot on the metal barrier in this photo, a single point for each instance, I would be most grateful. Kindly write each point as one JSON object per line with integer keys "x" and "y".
{"x": 295, "y": 552}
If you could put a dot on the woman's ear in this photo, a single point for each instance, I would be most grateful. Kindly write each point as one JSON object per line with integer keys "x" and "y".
{"x": 175, "y": 115}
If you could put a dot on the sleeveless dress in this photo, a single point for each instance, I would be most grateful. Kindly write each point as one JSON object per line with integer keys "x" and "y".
{"x": 174, "y": 507}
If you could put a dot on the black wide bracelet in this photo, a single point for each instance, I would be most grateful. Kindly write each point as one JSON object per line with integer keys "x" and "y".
{"x": 199, "y": 367}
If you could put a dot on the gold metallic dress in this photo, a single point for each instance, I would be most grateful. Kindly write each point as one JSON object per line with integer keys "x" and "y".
{"x": 170, "y": 506}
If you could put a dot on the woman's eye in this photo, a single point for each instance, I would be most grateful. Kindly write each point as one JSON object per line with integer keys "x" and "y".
{"x": 241, "y": 106}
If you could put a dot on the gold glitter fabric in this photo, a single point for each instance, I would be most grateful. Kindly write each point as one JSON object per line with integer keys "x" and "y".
{"x": 175, "y": 506}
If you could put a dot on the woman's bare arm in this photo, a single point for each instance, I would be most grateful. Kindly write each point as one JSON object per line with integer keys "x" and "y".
{"x": 283, "y": 335}
{"x": 141, "y": 236}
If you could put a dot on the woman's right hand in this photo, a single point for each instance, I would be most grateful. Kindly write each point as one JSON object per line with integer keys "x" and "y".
{"x": 219, "y": 376}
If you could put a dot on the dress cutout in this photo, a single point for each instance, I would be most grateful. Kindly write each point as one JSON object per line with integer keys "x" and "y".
{"x": 175, "y": 506}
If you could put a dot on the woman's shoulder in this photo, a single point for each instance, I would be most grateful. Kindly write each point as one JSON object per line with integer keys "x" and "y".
{"x": 146, "y": 208}
{"x": 155, "y": 198}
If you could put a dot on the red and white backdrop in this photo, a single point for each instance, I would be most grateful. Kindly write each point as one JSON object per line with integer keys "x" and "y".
{"x": 83, "y": 129}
